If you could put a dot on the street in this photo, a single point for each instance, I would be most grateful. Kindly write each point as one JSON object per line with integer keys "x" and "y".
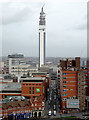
{"x": 52, "y": 104}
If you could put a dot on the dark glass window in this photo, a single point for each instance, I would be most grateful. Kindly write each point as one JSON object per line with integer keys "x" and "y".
{"x": 29, "y": 90}
{"x": 33, "y": 90}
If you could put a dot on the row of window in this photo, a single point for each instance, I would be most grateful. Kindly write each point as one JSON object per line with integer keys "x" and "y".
{"x": 86, "y": 78}
{"x": 67, "y": 89}
{"x": 85, "y": 71}
{"x": 18, "y": 68}
{"x": 68, "y": 81}
{"x": 68, "y": 85}
{"x": 19, "y": 71}
{"x": 64, "y": 94}
{"x": 68, "y": 73}
{"x": 17, "y": 111}
{"x": 68, "y": 77}
{"x": 86, "y": 82}
{"x": 37, "y": 90}
{"x": 64, "y": 81}
{"x": 31, "y": 84}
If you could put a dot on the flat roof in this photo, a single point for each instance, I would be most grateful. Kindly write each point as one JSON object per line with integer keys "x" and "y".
{"x": 39, "y": 73}
{"x": 33, "y": 79}
{"x": 11, "y": 86}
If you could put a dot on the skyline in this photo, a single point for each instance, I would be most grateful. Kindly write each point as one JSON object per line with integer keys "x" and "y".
{"x": 68, "y": 37}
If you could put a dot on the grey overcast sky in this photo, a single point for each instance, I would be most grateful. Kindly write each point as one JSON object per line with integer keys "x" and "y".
{"x": 66, "y": 27}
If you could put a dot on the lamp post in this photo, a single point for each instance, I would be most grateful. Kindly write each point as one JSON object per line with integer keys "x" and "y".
{"x": 32, "y": 112}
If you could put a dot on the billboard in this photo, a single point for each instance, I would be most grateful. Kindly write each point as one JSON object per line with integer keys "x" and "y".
{"x": 37, "y": 90}
{"x": 72, "y": 103}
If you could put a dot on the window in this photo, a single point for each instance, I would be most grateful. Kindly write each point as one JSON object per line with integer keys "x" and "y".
{"x": 86, "y": 78}
{"x": 64, "y": 90}
{"x": 85, "y": 71}
{"x": 64, "y": 86}
{"x": 64, "y": 81}
{"x": 33, "y": 90}
{"x": 43, "y": 89}
{"x": 86, "y": 82}
{"x": 64, "y": 99}
{"x": 30, "y": 90}
{"x": 64, "y": 77}
{"x": 39, "y": 108}
{"x": 64, "y": 73}
{"x": 46, "y": 80}
{"x": 64, "y": 94}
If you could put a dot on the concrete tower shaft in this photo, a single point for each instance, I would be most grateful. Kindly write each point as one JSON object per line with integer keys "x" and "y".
{"x": 42, "y": 38}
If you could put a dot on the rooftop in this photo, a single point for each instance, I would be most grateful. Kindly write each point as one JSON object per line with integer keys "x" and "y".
{"x": 11, "y": 86}
{"x": 33, "y": 79}
{"x": 39, "y": 73}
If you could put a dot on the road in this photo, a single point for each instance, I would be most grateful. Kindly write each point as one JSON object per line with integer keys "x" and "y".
{"x": 52, "y": 104}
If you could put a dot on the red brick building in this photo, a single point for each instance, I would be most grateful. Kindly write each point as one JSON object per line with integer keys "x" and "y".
{"x": 33, "y": 87}
{"x": 70, "y": 63}
{"x": 68, "y": 86}
{"x": 16, "y": 109}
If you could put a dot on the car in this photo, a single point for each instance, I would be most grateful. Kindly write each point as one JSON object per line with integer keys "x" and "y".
{"x": 54, "y": 96}
{"x": 50, "y": 113}
{"x": 54, "y": 107}
{"x": 59, "y": 106}
{"x": 50, "y": 98}
{"x": 48, "y": 106}
{"x": 54, "y": 112}
{"x": 49, "y": 102}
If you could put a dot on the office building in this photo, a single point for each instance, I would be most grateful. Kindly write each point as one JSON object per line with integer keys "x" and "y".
{"x": 33, "y": 87}
{"x": 14, "y": 59}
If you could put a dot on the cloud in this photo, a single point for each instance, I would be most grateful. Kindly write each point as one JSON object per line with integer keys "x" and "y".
{"x": 15, "y": 13}
{"x": 81, "y": 27}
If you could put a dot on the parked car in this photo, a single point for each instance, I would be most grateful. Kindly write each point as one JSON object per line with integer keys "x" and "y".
{"x": 50, "y": 113}
{"x": 54, "y": 107}
{"x": 54, "y": 112}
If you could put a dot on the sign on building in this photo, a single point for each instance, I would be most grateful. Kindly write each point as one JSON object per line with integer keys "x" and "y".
{"x": 37, "y": 90}
{"x": 72, "y": 103}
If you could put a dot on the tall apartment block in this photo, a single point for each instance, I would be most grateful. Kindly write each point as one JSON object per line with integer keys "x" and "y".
{"x": 42, "y": 37}
{"x": 68, "y": 87}
{"x": 73, "y": 85}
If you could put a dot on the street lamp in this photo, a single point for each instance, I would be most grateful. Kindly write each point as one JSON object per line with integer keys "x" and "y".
{"x": 32, "y": 112}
